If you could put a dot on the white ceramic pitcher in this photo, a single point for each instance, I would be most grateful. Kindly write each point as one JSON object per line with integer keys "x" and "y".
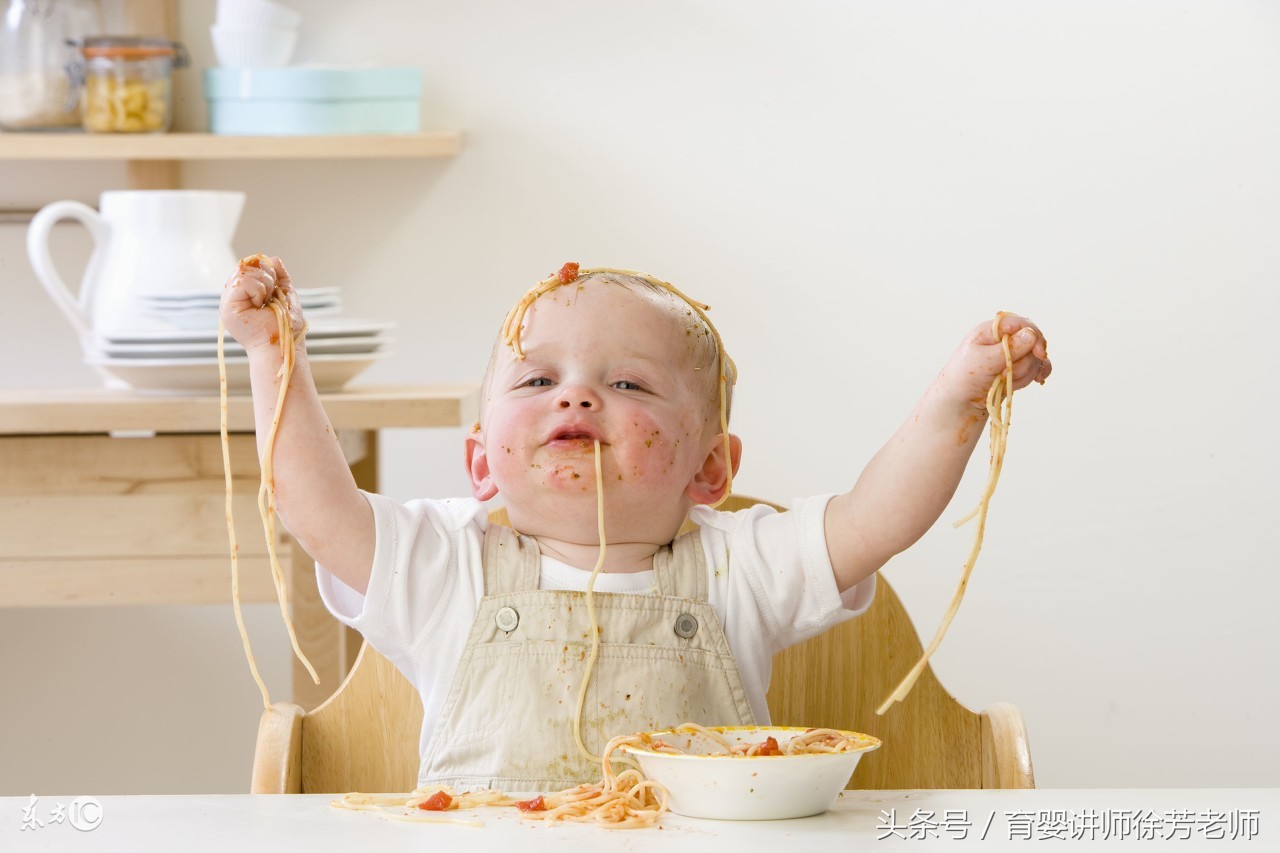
{"x": 145, "y": 242}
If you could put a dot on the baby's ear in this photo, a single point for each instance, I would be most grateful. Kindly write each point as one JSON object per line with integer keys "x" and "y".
{"x": 482, "y": 485}
{"x": 711, "y": 481}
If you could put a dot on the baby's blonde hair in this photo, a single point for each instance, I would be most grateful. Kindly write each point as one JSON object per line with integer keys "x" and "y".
{"x": 706, "y": 351}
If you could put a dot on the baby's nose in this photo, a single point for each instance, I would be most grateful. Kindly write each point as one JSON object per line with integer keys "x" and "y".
{"x": 578, "y": 395}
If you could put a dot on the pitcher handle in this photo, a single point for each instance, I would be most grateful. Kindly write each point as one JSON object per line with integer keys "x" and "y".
{"x": 42, "y": 261}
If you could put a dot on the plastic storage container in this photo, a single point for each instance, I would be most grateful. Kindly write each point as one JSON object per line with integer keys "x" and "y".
{"x": 303, "y": 101}
{"x": 127, "y": 83}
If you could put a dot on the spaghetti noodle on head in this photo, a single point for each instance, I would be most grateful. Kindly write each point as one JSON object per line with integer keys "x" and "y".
{"x": 710, "y": 361}
{"x": 705, "y": 342}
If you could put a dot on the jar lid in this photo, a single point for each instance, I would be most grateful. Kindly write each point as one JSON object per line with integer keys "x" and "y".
{"x": 132, "y": 47}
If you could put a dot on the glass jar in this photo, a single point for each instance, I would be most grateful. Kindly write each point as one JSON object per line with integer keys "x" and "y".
{"x": 34, "y": 57}
{"x": 127, "y": 83}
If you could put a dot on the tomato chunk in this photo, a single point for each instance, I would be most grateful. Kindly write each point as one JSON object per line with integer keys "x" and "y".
{"x": 437, "y": 802}
{"x": 769, "y": 747}
{"x": 568, "y": 272}
{"x": 537, "y": 804}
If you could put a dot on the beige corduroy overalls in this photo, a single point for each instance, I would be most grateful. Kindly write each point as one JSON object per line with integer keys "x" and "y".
{"x": 508, "y": 719}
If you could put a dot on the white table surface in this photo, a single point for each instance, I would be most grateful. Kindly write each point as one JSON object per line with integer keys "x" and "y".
{"x": 860, "y": 820}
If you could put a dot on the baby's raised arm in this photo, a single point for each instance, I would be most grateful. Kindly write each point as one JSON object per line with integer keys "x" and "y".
{"x": 909, "y": 482}
{"x": 316, "y": 496}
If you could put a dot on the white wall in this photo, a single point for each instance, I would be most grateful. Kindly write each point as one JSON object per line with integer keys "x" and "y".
{"x": 851, "y": 186}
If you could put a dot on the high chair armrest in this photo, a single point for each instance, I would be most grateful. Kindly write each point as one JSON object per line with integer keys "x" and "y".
{"x": 277, "y": 756}
{"x": 1006, "y": 752}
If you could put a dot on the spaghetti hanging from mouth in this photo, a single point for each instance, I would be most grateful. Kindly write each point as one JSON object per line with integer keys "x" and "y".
{"x": 591, "y": 612}
{"x": 620, "y": 800}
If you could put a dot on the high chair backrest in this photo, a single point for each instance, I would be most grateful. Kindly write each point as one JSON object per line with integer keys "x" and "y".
{"x": 365, "y": 736}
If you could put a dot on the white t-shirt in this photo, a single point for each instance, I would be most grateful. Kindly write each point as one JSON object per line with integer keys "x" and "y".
{"x": 769, "y": 581}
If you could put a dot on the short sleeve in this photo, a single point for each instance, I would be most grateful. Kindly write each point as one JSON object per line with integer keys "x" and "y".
{"x": 414, "y": 578}
{"x": 777, "y": 571}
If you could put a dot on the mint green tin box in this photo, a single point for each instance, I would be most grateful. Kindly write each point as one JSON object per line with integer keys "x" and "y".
{"x": 302, "y": 101}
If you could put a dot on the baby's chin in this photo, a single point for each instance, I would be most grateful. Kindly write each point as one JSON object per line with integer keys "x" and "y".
{"x": 570, "y": 477}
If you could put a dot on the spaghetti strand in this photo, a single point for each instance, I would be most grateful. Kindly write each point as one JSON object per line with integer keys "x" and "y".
{"x": 623, "y": 800}
{"x": 230, "y": 518}
{"x": 999, "y": 409}
{"x": 591, "y": 614}
{"x": 266, "y": 489}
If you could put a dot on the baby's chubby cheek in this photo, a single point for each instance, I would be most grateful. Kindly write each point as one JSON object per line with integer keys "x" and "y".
{"x": 652, "y": 449}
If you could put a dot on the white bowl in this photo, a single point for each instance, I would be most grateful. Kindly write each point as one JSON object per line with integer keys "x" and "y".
{"x": 724, "y": 787}
{"x": 261, "y": 47}
{"x": 244, "y": 14}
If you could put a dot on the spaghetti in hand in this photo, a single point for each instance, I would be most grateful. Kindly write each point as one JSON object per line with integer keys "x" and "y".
{"x": 1031, "y": 364}
{"x": 261, "y": 300}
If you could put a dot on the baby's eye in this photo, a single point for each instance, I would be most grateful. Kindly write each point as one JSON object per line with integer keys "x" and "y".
{"x": 627, "y": 385}
{"x": 538, "y": 382}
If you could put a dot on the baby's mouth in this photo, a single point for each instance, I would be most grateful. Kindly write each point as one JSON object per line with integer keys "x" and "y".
{"x": 573, "y": 438}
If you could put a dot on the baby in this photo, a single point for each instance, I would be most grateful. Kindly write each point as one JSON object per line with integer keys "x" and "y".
{"x": 615, "y": 373}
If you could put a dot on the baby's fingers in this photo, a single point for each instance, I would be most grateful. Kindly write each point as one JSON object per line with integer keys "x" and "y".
{"x": 253, "y": 285}
{"x": 281, "y": 274}
{"x": 1030, "y": 368}
{"x": 1011, "y": 325}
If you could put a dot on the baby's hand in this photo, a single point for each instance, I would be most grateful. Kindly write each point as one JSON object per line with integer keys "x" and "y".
{"x": 245, "y": 298}
{"x": 980, "y": 359}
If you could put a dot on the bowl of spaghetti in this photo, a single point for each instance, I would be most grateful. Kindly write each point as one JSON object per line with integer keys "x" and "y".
{"x": 750, "y": 772}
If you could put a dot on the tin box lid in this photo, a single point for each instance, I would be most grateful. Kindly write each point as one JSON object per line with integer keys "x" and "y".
{"x": 312, "y": 83}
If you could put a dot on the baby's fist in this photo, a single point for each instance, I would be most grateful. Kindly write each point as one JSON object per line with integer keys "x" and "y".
{"x": 246, "y": 300}
{"x": 981, "y": 358}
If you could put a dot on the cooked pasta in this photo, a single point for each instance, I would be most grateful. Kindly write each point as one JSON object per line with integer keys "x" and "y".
{"x": 810, "y": 742}
{"x": 266, "y": 489}
{"x": 591, "y": 612}
{"x": 623, "y": 800}
{"x": 999, "y": 409}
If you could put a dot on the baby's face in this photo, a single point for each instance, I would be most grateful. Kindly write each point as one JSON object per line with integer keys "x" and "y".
{"x": 601, "y": 362}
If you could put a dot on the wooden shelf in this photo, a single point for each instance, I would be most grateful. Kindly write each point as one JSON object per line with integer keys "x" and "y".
{"x": 207, "y": 146}
{"x": 98, "y": 410}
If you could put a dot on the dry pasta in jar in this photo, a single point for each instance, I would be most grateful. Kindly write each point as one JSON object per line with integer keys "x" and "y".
{"x": 127, "y": 83}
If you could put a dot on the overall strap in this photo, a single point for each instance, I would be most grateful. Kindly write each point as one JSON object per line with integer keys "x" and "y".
{"x": 511, "y": 561}
{"x": 680, "y": 569}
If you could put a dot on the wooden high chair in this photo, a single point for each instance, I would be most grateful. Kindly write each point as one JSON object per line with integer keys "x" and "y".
{"x": 365, "y": 736}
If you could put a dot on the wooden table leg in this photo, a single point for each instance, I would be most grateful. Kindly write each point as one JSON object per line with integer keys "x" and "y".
{"x": 329, "y": 645}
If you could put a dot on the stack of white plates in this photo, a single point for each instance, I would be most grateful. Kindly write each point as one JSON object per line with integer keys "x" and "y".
{"x": 200, "y": 310}
{"x": 186, "y": 359}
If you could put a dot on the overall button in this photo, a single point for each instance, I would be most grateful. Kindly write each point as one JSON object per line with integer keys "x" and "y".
{"x": 686, "y": 625}
{"x": 508, "y": 619}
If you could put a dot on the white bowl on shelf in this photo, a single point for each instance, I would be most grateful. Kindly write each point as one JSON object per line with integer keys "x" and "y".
{"x": 257, "y": 13}
{"x": 260, "y": 47}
